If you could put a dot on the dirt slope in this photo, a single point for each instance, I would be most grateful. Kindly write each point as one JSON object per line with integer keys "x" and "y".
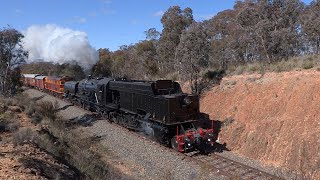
{"x": 276, "y": 117}
{"x": 27, "y": 161}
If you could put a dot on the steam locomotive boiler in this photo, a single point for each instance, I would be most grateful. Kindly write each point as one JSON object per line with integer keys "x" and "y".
{"x": 159, "y": 109}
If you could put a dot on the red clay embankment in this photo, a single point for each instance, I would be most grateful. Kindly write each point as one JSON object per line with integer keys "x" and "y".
{"x": 276, "y": 117}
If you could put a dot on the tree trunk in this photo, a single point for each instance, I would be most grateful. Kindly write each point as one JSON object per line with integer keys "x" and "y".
{"x": 318, "y": 44}
{"x": 3, "y": 87}
{"x": 265, "y": 49}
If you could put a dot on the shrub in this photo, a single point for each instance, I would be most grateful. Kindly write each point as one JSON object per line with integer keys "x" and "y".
{"x": 30, "y": 109}
{"x": 173, "y": 76}
{"x": 24, "y": 135}
{"x": 254, "y": 67}
{"x": 12, "y": 127}
{"x": 24, "y": 101}
{"x": 36, "y": 118}
{"x": 47, "y": 109}
{"x": 227, "y": 122}
{"x": 3, "y": 108}
{"x": 10, "y": 102}
{"x": 239, "y": 70}
{"x": 307, "y": 65}
{"x": 9, "y": 122}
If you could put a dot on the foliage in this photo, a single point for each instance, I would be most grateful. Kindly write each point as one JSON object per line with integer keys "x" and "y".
{"x": 71, "y": 69}
{"x": 174, "y": 21}
{"x": 103, "y": 67}
{"x": 192, "y": 54}
{"x": 152, "y": 34}
{"x": 11, "y": 56}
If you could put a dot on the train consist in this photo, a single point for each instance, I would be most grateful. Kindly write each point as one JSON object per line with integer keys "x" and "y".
{"x": 159, "y": 109}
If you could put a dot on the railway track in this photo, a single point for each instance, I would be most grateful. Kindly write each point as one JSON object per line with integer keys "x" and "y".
{"x": 215, "y": 163}
{"x": 231, "y": 168}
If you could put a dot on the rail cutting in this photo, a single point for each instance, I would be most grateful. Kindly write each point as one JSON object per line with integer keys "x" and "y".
{"x": 158, "y": 109}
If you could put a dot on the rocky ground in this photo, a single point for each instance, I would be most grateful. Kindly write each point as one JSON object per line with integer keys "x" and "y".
{"x": 26, "y": 161}
{"x": 272, "y": 118}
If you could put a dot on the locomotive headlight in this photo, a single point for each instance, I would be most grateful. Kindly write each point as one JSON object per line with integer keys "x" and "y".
{"x": 187, "y": 100}
{"x": 187, "y": 141}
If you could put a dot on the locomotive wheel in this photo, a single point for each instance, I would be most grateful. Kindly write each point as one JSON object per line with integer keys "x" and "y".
{"x": 174, "y": 143}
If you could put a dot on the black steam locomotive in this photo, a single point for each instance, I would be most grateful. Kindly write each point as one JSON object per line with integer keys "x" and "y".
{"x": 159, "y": 109}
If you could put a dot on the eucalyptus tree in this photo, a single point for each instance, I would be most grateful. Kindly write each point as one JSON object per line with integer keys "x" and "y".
{"x": 12, "y": 55}
{"x": 174, "y": 21}
{"x": 310, "y": 21}
{"x": 192, "y": 54}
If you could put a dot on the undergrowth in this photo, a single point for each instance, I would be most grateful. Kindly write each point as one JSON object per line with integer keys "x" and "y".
{"x": 295, "y": 63}
{"x": 69, "y": 146}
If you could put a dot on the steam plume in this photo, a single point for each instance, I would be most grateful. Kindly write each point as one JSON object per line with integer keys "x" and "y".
{"x": 57, "y": 44}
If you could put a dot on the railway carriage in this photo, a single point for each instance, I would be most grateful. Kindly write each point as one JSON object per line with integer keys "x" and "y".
{"x": 29, "y": 79}
{"x": 40, "y": 82}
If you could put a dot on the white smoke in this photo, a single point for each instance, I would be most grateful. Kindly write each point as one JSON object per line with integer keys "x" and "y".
{"x": 57, "y": 44}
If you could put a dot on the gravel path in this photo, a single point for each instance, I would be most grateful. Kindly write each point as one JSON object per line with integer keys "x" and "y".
{"x": 146, "y": 160}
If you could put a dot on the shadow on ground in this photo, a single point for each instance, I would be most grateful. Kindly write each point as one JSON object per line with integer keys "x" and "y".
{"x": 64, "y": 107}
{"x": 85, "y": 120}
{"x": 216, "y": 125}
{"x": 46, "y": 169}
{"x": 38, "y": 98}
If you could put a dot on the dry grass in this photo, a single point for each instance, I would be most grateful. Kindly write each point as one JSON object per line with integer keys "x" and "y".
{"x": 71, "y": 147}
{"x": 76, "y": 149}
{"x": 47, "y": 109}
{"x": 24, "y": 135}
{"x": 295, "y": 63}
{"x": 9, "y": 121}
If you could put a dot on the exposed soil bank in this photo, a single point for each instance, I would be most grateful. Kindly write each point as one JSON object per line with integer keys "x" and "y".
{"x": 276, "y": 117}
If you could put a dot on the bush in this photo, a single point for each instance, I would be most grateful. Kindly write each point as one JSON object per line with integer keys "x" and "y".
{"x": 36, "y": 118}
{"x": 30, "y": 109}
{"x": 3, "y": 108}
{"x": 12, "y": 127}
{"x": 10, "y": 102}
{"x": 227, "y": 122}
{"x": 9, "y": 122}
{"x": 254, "y": 67}
{"x": 24, "y": 101}
{"x": 173, "y": 76}
{"x": 24, "y": 135}
{"x": 239, "y": 70}
{"x": 47, "y": 109}
{"x": 307, "y": 65}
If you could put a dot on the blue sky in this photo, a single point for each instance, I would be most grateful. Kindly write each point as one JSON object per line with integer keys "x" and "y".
{"x": 108, "y": 23}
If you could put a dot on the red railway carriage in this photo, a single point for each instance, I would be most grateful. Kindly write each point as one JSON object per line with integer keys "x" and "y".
{"x": 56, "y": 84}
{"x": 29, "y": 79}
{"x": 40, "y": 82}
